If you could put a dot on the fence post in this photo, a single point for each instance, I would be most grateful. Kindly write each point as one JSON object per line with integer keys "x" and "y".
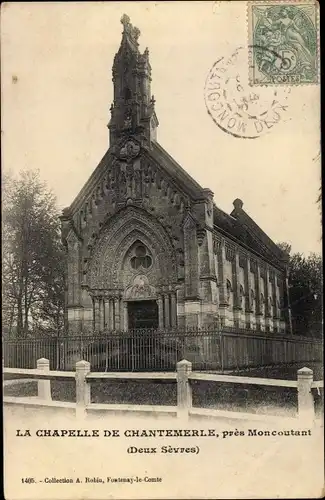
{"x": 306, "y": 410}
{"x": 44, "y": 386}
{"x": 184, "y": 390}
{"x": 82, "y": 388}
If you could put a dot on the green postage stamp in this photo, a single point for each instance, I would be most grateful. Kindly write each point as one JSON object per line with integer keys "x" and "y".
{"x": 283, "y": 42}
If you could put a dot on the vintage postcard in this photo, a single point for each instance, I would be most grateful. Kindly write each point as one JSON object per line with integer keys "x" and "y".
{"x": 161, "y": 232}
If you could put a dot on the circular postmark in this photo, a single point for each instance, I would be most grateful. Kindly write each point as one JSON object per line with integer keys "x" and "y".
{"x": 236, "y": 107}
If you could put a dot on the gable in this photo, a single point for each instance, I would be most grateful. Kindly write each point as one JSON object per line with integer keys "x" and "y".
{"x": 131, "y": 175}
{"x": 129, "y": 159}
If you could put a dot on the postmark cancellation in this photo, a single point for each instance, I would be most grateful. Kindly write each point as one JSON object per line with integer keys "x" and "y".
{"x": 283, "y": 36}
{"x": 237, "y": 108}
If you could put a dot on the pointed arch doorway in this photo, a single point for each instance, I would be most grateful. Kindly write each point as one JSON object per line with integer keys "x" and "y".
{"x": 142, "y": 322}
{"x": 142, "y": 314}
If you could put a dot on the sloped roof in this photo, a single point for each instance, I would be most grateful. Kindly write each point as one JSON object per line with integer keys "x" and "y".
{"x": 241, "y": 227}
{"x": 228, "y": 224}
{"x": 255, "y": 232}
{"x": 174, "y": 169}
{"x": 90, "y": 183}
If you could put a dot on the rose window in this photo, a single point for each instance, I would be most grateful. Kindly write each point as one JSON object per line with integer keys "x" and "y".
{"x": 141, "y": 258}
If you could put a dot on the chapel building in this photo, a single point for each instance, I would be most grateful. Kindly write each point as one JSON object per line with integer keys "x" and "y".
{"x": 146, "y": 245}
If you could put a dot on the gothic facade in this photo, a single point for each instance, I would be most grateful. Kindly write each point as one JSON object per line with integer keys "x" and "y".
{"x": 146, "y": 244}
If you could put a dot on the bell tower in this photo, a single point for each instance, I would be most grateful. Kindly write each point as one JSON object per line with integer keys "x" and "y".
{"x": 133, "y": 108}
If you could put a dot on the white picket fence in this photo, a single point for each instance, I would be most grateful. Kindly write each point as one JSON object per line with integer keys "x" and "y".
{"x": 183, "y": 377}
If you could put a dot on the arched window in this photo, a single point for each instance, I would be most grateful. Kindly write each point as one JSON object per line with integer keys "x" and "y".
{"x": 252, "y": 301}
{"x": 141, "y": 257}
{"x": 271, "y": 303}
{"x": 241, "y": 295}
{"x": 229, "y": 289}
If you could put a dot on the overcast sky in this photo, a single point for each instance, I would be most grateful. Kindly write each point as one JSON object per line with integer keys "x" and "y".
{"x": 57, "y": 90}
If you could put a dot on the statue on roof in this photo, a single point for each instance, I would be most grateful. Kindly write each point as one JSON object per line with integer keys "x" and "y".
{"x": 131, "y": 30}
{"x": 125, "y": 20}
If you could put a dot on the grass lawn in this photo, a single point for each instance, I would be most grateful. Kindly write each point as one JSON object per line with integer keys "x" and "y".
{"x": 284, "y": 372}
{"x": 205, "y": 394}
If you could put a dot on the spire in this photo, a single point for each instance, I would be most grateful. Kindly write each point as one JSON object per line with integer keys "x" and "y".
{"x": 132, "y": 112}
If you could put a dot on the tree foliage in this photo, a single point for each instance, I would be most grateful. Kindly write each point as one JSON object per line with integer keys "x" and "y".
{"x": 33, "y": 258}
{"x": 285, "y": 247}
{"x": 305, "y": 292}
